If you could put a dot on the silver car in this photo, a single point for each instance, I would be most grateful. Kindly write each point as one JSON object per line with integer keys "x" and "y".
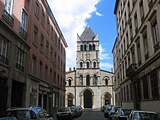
{"x": 143, "y": 115}
{"x": 36, "y": 113}
{"x": 64, "y": 113}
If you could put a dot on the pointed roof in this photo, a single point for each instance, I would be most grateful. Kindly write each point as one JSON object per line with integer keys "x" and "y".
{"x": 88, "y": 34}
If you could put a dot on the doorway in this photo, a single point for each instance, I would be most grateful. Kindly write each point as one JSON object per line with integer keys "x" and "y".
{"x": 87, "y": 99}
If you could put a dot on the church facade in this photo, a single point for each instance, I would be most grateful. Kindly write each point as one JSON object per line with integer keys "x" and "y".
{"x": 87, "y": 85}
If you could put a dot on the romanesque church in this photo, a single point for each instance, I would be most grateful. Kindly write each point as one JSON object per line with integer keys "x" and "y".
{"x": 87, "y": 85}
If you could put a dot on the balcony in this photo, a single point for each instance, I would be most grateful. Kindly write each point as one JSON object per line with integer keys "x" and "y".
{"x": 8, "y": 18}
{"x": 157, "y": 46}
{"x": 23, "y": 33}
{"x": 130, "y": 72}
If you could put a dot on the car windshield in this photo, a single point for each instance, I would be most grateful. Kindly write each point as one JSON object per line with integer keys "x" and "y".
{"x": 146, "y": 116}
{"x": 63, "y": 110}
{"x": 19, "y": 114}
{"x": 125, "y": 112}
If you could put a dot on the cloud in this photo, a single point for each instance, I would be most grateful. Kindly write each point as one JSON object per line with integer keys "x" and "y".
{"x": 71, "y": 16}
{"x": 103, "y": 55}
{"x": 106, "y": 66}
{"x": 99, "y": 14}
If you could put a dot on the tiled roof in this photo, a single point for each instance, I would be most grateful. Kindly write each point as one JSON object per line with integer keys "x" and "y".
{"x": 88, "y": 34}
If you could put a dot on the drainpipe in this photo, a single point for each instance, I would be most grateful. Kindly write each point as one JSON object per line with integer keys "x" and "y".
{"x": 75, "y": 84}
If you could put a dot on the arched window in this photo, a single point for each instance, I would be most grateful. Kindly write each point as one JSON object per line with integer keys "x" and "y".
{"x": 94, "y": 47}
{"x": 95, "y": 80}
{"x": 69, "y": 82}
{"x": 106, "y": 80}
{"x": 81, "y": 47}
{"x": 88, "y": 80}
{"x": 87, "y": 64}
{"x": 94, "y": 64}
{"x": 90, "y": 47}
{"x": 85, "y": 47}
{"x": 81, "y": 64}
{"x": 81, "y": 79}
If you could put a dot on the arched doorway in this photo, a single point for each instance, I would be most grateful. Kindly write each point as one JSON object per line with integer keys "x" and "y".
{"x": 70, "y": 99}
{"x": 87, "y": 99}
{"x": 107, "y": 98}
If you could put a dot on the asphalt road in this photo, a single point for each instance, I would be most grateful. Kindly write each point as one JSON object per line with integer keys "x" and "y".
{"x": 89, "y": 114}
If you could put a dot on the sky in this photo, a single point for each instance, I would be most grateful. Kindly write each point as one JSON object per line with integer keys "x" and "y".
{"x": 73, "y": 16}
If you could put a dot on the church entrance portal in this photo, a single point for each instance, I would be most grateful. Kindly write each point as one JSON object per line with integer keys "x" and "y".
{"x": 87, "y": 99}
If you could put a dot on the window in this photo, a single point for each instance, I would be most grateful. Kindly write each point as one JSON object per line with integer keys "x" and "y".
{"x": 33, "y": 64}
{"x": 154, "y": 84}
{"x": 85, "y": 47}
{"x": 87, "y": 64}
{"x": 40, "y": 69}
{"x": 46, "y": 72}
{"x": 69, "y": 82}
{"x": 139, "y": 52}
{"x": 47, "y": 47}
{"x": 133, "y": 54}
{"x": 52, "y": 33}
{"x": 51, "y": 75}
{"x": 9, "y": 6}
{"x": 35, "y": 38}
{"x": 129, "y": 8}
{"x": 81, "y": 47}
{"x": 106, "y": 81}
{"x": 90, "y": 47}
{"x": 23, "y": 21}
{"x": 141, "y": 10}
{"x": 131, "y": 32}
{"x": 81, "y": 64}
{"x": 37, "y": 8}
{"x": 20, "y": 59}
{"x": 81, "y": 79}
{"x": 95, "y": 80}
{"x": 136, "y": 22}
{"x": 94, "y": 64}
{"x": 145, "y": 88}
{"x": 88, "y": 80}
{"x": 145, "y": 44}
{"x": 94, "y": 47}
{"x": 43, "y": 17}
{"x": 42, "y": 42}
{"x": 155, "y": 34}
{"x": 3, "y": 50}
{"x": 48, "y": 25}
{"x": 51, "y": 54}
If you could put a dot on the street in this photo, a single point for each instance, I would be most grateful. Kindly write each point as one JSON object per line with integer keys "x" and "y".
{"x": 91, "y": 114}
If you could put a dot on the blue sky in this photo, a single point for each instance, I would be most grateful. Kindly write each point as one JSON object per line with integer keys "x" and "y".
{"x": 74, "y": 15}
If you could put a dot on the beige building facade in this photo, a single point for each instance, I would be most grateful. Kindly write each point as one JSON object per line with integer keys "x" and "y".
{"x": 136, "y": 54}
{"x": 87, "y": 85}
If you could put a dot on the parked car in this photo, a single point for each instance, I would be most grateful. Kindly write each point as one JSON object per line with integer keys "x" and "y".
{"x": 79, "y": 110}
{"x": 64, "y": 113}
{"x": 143, "y": 115}
{"x": 8, "y": 118}
{"x": 107, "y": 109}
{"x": 36, "y": 113}
{"x": 74, "y": 110}
{"x": 112, "y": 112}
{"x": 121, "y": 114}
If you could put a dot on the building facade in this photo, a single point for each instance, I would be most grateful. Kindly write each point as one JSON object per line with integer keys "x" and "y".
{"x": 88, "y": 85}
{"x": 32, "y": 56}
{"x": 136, "y": 54}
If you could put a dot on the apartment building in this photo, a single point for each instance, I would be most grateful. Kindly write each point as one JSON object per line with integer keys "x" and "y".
{"x": 136, "y": 53}
{"x": 32, "y": 56}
